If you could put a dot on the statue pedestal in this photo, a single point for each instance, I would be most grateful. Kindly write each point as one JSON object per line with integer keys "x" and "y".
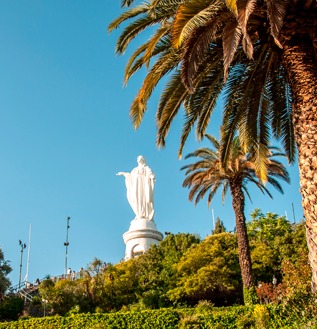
{"x": 142, "y": 233}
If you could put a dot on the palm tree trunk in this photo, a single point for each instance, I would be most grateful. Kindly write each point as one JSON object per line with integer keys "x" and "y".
{"x": 243, "y": 241}
{"x": 299, "y": 60}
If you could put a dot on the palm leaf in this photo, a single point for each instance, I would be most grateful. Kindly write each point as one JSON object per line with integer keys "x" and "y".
{"x": 127, "y": 3}
{"x": 203, "y": 101}
{"x": 282, "y": 123}
{"x": 131, "y": 13}
{"x": 230, "y": 40}
{"x": 134, "y": 29}
{"x": 151, "y": 45}
{"x": 192, "y": 15}
{"x": 170, "y": 103}
{"x": 134, "y": 63}
{"x": 195, "y": 51}
{"x": 276, "y": 10}
{"x": 232, "y": 5}
{"x": 163, "y": 65}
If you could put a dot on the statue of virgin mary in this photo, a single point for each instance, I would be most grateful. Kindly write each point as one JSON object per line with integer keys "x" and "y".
{"x": 140, "y": 189}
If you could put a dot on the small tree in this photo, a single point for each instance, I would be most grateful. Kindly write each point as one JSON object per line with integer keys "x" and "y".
{"x": 219, "y": 227}
{"x": 11, "y": 307}
{"x": 209, "y": 271}
{"x": 5, "y": 269}
{"x": 208, "y": 174}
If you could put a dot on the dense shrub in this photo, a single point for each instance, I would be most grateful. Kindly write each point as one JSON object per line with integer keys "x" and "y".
{"x": 11, "y": 307}
{"x": 236, "y": 317}
{"x": 165, "y": 318}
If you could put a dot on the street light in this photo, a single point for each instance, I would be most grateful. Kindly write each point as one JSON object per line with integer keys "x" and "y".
{"x": 66, "y": 244}
{"x": 23, "y": 246}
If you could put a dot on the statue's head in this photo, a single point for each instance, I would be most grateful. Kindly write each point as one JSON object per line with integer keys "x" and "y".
{"x": 140, "y": 159}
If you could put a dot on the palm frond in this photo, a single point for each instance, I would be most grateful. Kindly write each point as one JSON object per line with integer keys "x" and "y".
{"x": 131, "y": 13}
{"x": 134, "y": 29}
{"x": 165, "y": 5}
{"x": 170, "y": 102}
{"x": 234, "y": 108}
{"x": 151, "y": 45}
{"x": 192, "y": 15}
{"x": 214, "y": 141}
{"x": 276, "y": 184}
{"x": 200, "y": 105}
{"x": 245, "y": 12}
{"x": 230, "y": 39}
{"x": 225, "y": 188}
{"x": 245, "y": 190}
{"x": 127, "y": 3}
{"x": 276, "y": 10}
{"x": 134, "y": 62}
{"x": 163, "y": 65}
{"x": 196, "y": 49}
{"x": 232, "y": 5}
{"x": 282, "y": 123}
{"x": 212, "y": 192}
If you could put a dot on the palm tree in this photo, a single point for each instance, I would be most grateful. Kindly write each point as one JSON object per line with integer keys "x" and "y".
{"x": 259, "y": 54}
{"x": 257, "y": 95}
{"x": 208, "y": 174}
{"x": 284, "y": 34}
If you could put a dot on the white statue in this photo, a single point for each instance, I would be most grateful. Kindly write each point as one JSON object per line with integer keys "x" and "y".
{"x": 140, "y": 189}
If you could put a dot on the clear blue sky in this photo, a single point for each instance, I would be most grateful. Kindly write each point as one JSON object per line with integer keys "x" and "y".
{"x": 64, "y": 133}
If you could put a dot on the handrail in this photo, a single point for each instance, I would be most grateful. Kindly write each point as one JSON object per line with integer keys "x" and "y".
{"x": 27, "y": 286}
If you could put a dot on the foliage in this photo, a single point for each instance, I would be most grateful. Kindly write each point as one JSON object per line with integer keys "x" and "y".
{"x": 296, "y": 275}
{"x": 204, "y": 306}
{"x": 5, "y": 269}
{"x": 156, "y": 268}
{"x": 182, "y": 270}
{"x": 249, "y": 296}
{"x": 219, "y": 227}
{"x": 140, "y": 283}
{"x": 209, "y": 271}
{"x": 269, "y": 293}
{"x": 301, "y": 314}
{"x": 164, "y": 318}
{"x": 11, "y": 307}
{"x": 262, "y": 316}
{"x": 63, "y": 295}
{"x": 204, "y": 43}
{"x": 260, "y": 56}
{"x": 208, "y": 174}
{"x": 274, "y": 240}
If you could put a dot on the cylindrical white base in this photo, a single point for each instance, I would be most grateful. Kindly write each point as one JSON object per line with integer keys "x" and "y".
{"x": 142, "y": 233}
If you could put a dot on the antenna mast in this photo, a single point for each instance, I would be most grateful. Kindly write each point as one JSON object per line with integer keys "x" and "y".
{"x": 66, "y": 244}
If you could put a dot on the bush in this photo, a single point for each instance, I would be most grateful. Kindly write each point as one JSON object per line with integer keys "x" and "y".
{"x": 235, "y": 317}
{"x": 11, "y": 307}
{"x": 249, "y": 296}
{"x": 204, "y": 306}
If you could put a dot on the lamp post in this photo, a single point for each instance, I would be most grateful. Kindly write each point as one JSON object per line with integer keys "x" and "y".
{"x": 23, "y": 246}
{"x": 66, "y": 244}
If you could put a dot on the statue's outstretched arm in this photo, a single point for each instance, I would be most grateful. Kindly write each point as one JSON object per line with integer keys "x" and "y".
{"x": 121, "y": 173}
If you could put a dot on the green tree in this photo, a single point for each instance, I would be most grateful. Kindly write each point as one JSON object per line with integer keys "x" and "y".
{"x": 219, "y": 227}
{"x": 5, "y": 269}
{"x": 208, "y": 174}
{"x": 62, "y": 296}
{"x": 274, "y": 240}
{"x": 11, "y": 307}
{"x": 209, "y": 271}
{"x": 156, "y": 268}
{"x": 275, "y": 90}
